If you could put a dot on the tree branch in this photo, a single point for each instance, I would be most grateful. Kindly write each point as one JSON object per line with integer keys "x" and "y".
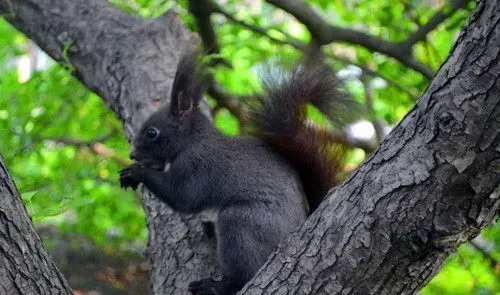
{"x": 476, "y": 243}
{"x": 26, "y": 266}
{"x": 378, "y": 125}
{"x": 96, "y": 145}
{"x": 342, "y": 137}
{"x": 77, "y": 142}
{"x": 433, "y": 22}
{"x": 233, "y": 103}
{"x": 373, "y": 73}
{"x": 201, "y": 10}
{"x": 289, "y": 40}
{"x": 325, "y": 33}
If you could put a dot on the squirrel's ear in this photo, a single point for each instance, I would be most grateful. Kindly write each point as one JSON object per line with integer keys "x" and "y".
{"x": 181, "y": 105}
{"x": 188, "y": 86}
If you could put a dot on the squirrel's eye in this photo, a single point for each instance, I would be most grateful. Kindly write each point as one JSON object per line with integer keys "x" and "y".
{"x": 151, "y": 132}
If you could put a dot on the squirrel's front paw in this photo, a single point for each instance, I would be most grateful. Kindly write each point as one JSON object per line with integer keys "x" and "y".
{"x": 128, "y": 177}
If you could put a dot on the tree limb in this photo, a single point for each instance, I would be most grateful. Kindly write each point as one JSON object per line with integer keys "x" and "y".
{"x": 494, "y": 263}
{"x": 233, "y": 103}
{"x": 77, "y": 142}
{"x": 374, "y": 73}
{"x": 433, "y": 22}
{"x": 325, "y": 33}
{"x": 346, "y": 139}
{"x": 378, "y": 125}
{"x": 202, "y": 10}
{"x": 289, "y": 40}
{"x": 95, "y": 145}
{"x": 26, "y": 266}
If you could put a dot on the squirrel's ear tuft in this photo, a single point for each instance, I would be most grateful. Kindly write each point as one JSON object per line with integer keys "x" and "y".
{"x": 189, "y": 85}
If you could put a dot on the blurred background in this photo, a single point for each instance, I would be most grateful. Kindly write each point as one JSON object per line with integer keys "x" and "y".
{"x": 64, "y": 147}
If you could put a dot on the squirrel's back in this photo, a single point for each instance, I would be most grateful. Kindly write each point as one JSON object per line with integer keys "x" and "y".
{"x": 249, "y": 167}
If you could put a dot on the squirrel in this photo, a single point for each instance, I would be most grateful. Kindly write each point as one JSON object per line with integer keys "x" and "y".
{"x": 262, "y": 186}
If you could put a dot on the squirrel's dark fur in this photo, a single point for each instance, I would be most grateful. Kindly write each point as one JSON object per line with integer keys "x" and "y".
{"x": 258, "y": 184}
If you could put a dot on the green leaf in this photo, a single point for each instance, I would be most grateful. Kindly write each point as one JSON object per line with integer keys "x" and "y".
{"x": 28, "y": 196}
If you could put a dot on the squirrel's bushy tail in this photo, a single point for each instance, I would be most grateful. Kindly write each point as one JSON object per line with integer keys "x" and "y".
{"x": 279, "y": 117}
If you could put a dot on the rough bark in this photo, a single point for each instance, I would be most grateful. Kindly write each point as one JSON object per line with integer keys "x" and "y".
{"x": 130, "y": 62}
{"x": 432, "y": 184}
{"x": 25, "y": 266}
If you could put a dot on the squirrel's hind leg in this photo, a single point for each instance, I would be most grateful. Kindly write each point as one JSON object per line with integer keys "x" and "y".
{"x": 212, "y": 287}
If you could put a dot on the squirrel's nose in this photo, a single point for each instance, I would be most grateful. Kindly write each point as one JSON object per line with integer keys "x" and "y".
{"x": 133, "y": 155}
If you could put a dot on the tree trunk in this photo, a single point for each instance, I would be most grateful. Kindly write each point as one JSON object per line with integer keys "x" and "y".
{"x": 25, "y": 266}
{"x": 432, "y": 184}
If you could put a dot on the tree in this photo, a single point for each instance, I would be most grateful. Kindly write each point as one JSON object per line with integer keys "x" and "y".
{"x": 452, "y": 191}
{"x": 26, "y": 268}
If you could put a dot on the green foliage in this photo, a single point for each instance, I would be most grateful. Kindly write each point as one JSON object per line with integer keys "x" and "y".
{"x": 227, "y": 123}
{"x": 64, "y": 183}
{"x": 467, "y": 272}
{"x": 49, "y": 124}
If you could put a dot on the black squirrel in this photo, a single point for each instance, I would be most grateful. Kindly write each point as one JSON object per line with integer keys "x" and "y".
{"x": 258, "y": 184}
